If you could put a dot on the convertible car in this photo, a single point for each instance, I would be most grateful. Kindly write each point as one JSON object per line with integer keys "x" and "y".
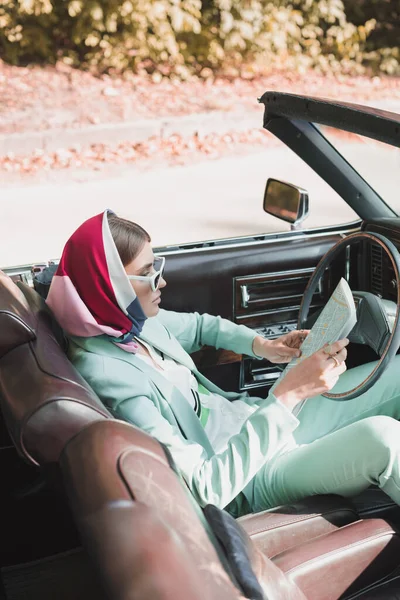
{"x": 93, "y": 508}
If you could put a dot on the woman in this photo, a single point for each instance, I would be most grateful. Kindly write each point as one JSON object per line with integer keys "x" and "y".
{"x": 239, "y": 453}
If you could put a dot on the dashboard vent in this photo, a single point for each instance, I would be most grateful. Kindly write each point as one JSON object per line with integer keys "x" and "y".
{"x": 376, "y": 270}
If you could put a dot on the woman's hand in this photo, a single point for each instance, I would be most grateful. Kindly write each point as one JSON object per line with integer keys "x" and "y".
{"x": 281, "y": 350}
{"x": 314, "y": 375}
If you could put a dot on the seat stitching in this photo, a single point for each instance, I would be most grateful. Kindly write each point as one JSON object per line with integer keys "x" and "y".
{"x": 299, "y": 519}
{"x": 378, "y": 534}
{"x": 35, "y": 410}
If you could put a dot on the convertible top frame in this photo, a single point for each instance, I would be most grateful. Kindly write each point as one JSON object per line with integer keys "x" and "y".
{"x": 291, "y": 118}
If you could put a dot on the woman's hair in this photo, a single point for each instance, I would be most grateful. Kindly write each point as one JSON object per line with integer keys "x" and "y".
{"x": 129, "y": 237}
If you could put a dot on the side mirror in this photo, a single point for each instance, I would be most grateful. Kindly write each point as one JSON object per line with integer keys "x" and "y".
{"x": 286, "y": 201}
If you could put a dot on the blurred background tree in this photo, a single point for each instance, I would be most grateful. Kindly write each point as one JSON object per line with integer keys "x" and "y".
{"x": 382, "y": 48}
{"x": 180, "y": 38}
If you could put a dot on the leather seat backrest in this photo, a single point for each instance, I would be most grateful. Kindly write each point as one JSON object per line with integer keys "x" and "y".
{"x": 116, "y": 475}
{"x": 118, "y": 479}
{"x": 44, "y": 400}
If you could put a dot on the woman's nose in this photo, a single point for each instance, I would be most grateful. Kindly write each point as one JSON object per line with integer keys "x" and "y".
{"x": 163, "y": 283}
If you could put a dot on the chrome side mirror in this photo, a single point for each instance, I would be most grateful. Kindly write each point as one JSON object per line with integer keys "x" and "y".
{"x": 286, "y": 201}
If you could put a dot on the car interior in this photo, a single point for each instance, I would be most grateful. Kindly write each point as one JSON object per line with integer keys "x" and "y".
{"x": 93, "y": 507}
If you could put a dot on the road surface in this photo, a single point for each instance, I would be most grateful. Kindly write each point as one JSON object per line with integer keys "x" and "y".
{"x": 206, "y": 200}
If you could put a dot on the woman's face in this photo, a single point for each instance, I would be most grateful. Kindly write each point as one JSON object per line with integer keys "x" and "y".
{"x": 142, "y": 265}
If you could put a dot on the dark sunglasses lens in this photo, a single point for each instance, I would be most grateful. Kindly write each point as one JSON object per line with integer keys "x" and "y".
{"x": 157, "y": 280}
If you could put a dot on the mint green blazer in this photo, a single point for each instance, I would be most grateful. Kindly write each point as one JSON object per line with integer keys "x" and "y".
{"x": 138, "y": 393}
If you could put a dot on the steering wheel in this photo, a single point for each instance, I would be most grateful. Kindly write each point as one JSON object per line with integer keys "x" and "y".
{"x": 370, "y": 309}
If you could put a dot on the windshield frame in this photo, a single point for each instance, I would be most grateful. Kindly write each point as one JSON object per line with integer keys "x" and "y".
{"x": 356, "y": 165}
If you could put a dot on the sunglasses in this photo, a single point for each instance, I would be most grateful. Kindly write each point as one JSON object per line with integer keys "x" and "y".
{"x": 155, "y": 278}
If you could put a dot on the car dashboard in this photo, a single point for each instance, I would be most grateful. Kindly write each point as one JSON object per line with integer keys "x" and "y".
{"x": 382, "y": 278}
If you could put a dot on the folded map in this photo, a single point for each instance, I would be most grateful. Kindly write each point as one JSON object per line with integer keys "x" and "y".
{"x": 337, "y": 319}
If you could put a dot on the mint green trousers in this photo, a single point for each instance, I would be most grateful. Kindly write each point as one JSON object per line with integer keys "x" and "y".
{"x": 339, "y": 447}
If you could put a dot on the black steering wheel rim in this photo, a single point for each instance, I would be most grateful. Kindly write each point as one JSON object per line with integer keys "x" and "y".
{"x": 394, "y": 339}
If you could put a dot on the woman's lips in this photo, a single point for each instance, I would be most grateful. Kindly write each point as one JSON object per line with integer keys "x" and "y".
{"x": 157, "y": 300}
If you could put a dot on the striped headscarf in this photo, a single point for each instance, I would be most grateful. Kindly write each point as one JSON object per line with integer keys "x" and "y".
{"x": 90, "y": 294}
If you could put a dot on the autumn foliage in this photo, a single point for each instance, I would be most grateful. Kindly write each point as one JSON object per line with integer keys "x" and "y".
{"x": 184, "y": 37}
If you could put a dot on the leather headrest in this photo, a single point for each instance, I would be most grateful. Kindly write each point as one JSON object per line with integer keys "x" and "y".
{"x": 16, "y": 320}
{"x": 14, "y": 332}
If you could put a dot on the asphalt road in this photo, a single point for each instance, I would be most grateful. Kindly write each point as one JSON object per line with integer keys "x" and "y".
{"x": 207, "y": 200}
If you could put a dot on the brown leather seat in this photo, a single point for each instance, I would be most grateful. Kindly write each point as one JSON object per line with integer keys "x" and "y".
{"x": 283, "y": 527}
{"x": 140, "y": 525}
{"x": 44, "y": 400}
{"x": 131, "y": 530}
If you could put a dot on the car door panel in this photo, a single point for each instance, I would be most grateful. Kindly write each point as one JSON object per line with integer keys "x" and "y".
{"x": 259, "y": 284}
{"x": 203, "y": 279}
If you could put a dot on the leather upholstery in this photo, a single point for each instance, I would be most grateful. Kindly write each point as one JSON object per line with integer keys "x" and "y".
{"x": 156, "y": 565}
{"x": 341, "y": 563}
{"x": 135, "y": 508}
{"x": 280, "y": 528}
{"x": 44, "y": 400}
{"x": 136, "y": 491}
{"x": 276, "y": 585}
{"x": 14, "y": 332}
{"x": 16, "y": 322}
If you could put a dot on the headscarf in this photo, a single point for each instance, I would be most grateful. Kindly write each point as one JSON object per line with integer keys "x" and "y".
{"x": 90, "y": 293}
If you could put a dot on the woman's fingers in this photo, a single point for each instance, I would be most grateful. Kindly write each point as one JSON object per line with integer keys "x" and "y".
{"x": 337, "y": 346}
{"x": 339, "y": 369}
{"x": 343, "y": 368}
{"x": 337, "y": 359}
{"x": 336, "y": 372}
{"x": 315, "y": 375}
{"x": 303, "y": 333}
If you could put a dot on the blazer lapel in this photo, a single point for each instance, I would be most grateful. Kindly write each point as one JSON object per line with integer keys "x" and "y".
{"x": 184, "y": 414}
{"x": 187, "y": 419}
{"x": 155, "y": 333}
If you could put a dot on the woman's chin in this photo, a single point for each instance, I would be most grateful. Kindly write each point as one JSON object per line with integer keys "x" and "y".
{"x": 153, "y": 311}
